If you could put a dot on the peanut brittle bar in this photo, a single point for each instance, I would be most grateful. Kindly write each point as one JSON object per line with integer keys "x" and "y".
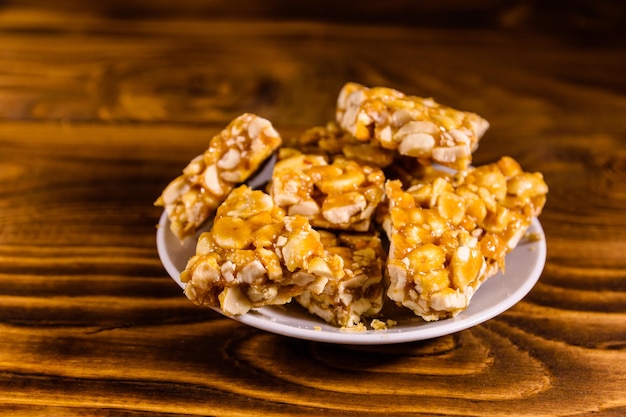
{"x": 254, "y": 256}
{"x": 359, "y": 293}
{"x": 330, "y": 140}
{"x": 414, "y": 126}
{"x": 451, "y": 232}
{"x": 341, "y": 195}
{"x": 232, "y": 156}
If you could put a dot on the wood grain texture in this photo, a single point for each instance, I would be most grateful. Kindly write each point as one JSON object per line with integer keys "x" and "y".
{"x": 102, "y": 104}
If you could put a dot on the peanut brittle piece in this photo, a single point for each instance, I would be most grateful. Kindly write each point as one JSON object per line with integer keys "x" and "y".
{"x": 414, "y": 126}
{"x": 254, "y": 255}
{"x": 330, "y": 140}
{"x": 409, "y": 172}
{"x": 232, "y": 156}
{"x": 341, "y": 195}
{"x": 451, "y": 232}
{"x": 359, "y": 293}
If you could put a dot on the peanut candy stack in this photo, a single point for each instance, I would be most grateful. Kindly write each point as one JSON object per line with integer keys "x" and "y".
{"x": 346, "y": 301}
{"x": 414, "y": 126}
{"x": 232, "y": 156}
{"x": 255, "y": 256}
{"x": 449, "y": 233}
{"x": 341, "y": 195}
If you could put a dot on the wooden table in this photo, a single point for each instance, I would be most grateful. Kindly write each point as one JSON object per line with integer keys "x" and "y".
{"x": 102, "y": 104}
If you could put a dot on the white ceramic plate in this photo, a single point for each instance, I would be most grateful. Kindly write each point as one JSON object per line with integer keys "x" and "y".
{"x": 523, "y": 268}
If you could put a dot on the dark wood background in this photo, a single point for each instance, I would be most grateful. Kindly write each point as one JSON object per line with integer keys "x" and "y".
{"x": 102, "y": 104}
